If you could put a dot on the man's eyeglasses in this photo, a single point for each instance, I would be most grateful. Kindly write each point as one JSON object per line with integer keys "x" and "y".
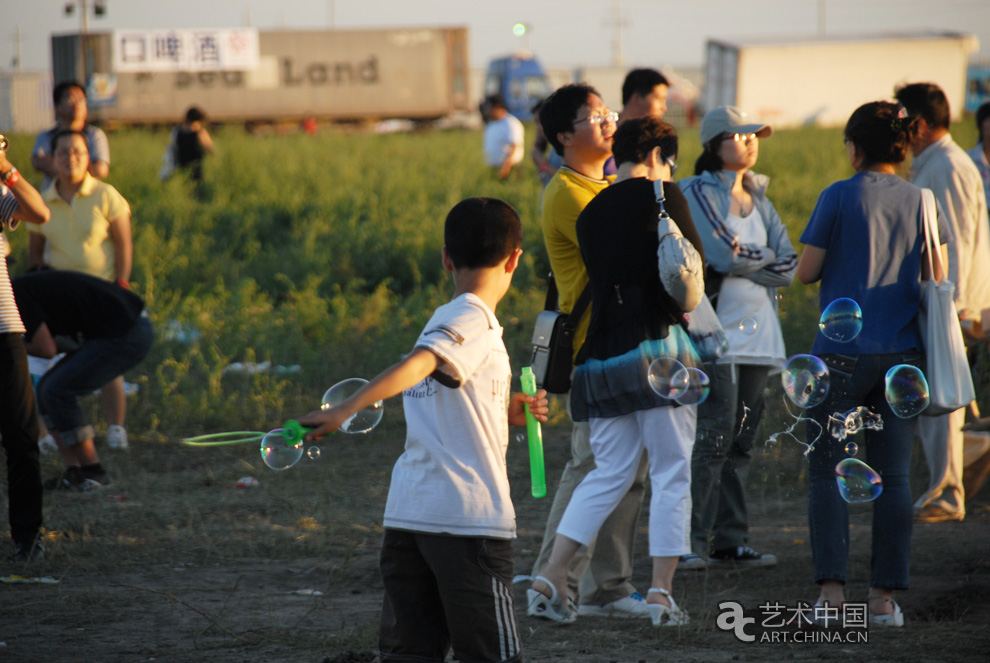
{"x": 608, "y": 116}
{"x": 673, "y": 165}
{"x": 739, "y": 138}
{"x": 65, "y": 154}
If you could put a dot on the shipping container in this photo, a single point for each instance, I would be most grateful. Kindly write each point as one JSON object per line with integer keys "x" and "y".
{"x": 418, "y": 73}
{"x": 822, "y": 81}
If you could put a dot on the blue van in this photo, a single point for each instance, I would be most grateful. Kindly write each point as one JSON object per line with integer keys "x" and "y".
{"x": 521, "y": 81}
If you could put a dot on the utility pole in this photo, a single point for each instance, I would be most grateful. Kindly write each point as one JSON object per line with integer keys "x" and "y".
{"x": 99, "y": 9}
{"x": 616, "y": 21}
{"x": 15, "y": 63}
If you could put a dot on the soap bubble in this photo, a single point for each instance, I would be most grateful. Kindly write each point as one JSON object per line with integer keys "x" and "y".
{"x": 361, "y": 421}
{"x": 852, "y": 449}
{"x": 690, "y": 386}
{"x": 313, "y": 453}
{"x": 906, "y": 390}
{"x": 661, "y": 373}
{"x": 748, "y": 326}
{"x": 805, "y": 379}
{"x": 857, "y": 481}
{"x": 520, "y": 438}
{"x": 841, "y": 320}
{"x": 279, "y": 454}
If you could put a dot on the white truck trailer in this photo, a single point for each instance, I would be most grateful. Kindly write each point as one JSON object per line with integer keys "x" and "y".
{"x": 822, "y": 81}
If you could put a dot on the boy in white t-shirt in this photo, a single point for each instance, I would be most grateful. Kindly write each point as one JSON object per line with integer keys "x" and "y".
{"x": 447, "y": 554}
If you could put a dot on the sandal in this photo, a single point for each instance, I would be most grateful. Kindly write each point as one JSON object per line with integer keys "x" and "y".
{"x": 549, "y": 607}
{"x": 893, "y": 618}
{"x": 663, "y": 615}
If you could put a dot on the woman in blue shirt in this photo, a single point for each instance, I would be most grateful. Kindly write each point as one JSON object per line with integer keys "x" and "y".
{"x": 865, "y": 241}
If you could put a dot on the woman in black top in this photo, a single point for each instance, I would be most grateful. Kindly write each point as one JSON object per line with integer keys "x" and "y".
{"x": 637, "y": 316}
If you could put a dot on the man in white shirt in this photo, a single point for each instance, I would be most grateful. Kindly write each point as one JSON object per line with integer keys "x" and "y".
{"x": 504, "y": 137}
{"x": 941, "y": 165}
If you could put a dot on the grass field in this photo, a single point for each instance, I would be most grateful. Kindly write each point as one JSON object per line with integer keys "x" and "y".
{"x": 324, "y": 252}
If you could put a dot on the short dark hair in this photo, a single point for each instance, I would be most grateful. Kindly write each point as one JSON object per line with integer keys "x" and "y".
{"x": 195, "y": 114}
{"x": 982, "y": 113}
{"x": 496, "y": 101}
{"x": 57, "y": 136}
{"x": 62, "y": 89}
{"x": 635, "y": 139}
{"x": 925, "y": 100}
{"x": 560, "y": 109}
{"x": 881, "y": 133}
{"x": 481, "y": 232}
{"x": 641, "y": 82}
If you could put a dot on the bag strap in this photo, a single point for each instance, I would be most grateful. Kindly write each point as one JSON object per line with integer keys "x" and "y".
{"x": 661, "y": 197}
{"x": 930, "y": 223}
{"x": 551, "y": 302}
{"x": 579, "y": 306}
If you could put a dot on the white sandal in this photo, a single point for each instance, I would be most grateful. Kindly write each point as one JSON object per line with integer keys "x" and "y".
{"x": 663, "y": 615}
{"x": 893, "y": 618}
{"x": 552, "y": 608}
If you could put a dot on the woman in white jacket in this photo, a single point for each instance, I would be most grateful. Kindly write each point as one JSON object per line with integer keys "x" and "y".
{"x": 747, "y": 248}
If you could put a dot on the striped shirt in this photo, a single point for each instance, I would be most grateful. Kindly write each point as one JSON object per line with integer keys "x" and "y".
{"x": 10, "y": 318}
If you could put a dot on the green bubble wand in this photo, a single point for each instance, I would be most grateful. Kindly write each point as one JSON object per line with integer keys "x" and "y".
{"x": 537, "y": 471}
{"x": 282, "y": 448}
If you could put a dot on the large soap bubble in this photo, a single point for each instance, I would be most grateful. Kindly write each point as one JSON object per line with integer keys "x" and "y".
{"x": 361, "y": 421}
{"x": 805, "y": 379}
{"x": 279, "y": 453}
{"x": 858, "y": 482}
{"x": 690, "y": 386}
{"x": 661, "y": 375}
{"x": 906, "y": 390}
{"x": 841, "y": 320}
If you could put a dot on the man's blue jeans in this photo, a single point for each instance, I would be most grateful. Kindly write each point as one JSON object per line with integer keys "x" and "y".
{"x": 96, "y": 363}
{"x": 854, "y": 381}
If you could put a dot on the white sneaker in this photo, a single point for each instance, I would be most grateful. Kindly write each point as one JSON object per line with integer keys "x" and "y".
{"x": 630, "y": 607}
{"x": 117, "y": 437}
{"x": 47, "y": 445}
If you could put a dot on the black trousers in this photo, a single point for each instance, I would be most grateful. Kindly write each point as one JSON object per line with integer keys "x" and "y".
{"x": 19, "y": 428}
{"x": 446, "y": 591}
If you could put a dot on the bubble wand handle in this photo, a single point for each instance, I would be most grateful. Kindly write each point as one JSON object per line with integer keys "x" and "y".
{"x": 293, "y": 431}
{"x": 537, "y": 472}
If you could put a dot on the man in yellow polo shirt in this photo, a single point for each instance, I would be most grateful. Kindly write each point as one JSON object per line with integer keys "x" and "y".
{"x": 580, "y": 127}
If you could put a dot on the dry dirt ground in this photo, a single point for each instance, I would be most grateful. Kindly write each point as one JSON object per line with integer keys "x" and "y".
{"x": 178, "y": 608}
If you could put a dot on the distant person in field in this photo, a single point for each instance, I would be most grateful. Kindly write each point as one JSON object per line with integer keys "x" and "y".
{"x": 71, "y": 113}
{"x": 644, "y": 94}
{"x": 941, "y": 165}
{"x": 504, "y": 137}
{"x": 90, "y": 232}
{"x": 580, "y": 127}
{"x": 747, "y": 247}
{"x": 190, "y": 143}
{"x": 446, "y": 559}
{"x": 110, "y": 334}
{"x": 19, "y": 201}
